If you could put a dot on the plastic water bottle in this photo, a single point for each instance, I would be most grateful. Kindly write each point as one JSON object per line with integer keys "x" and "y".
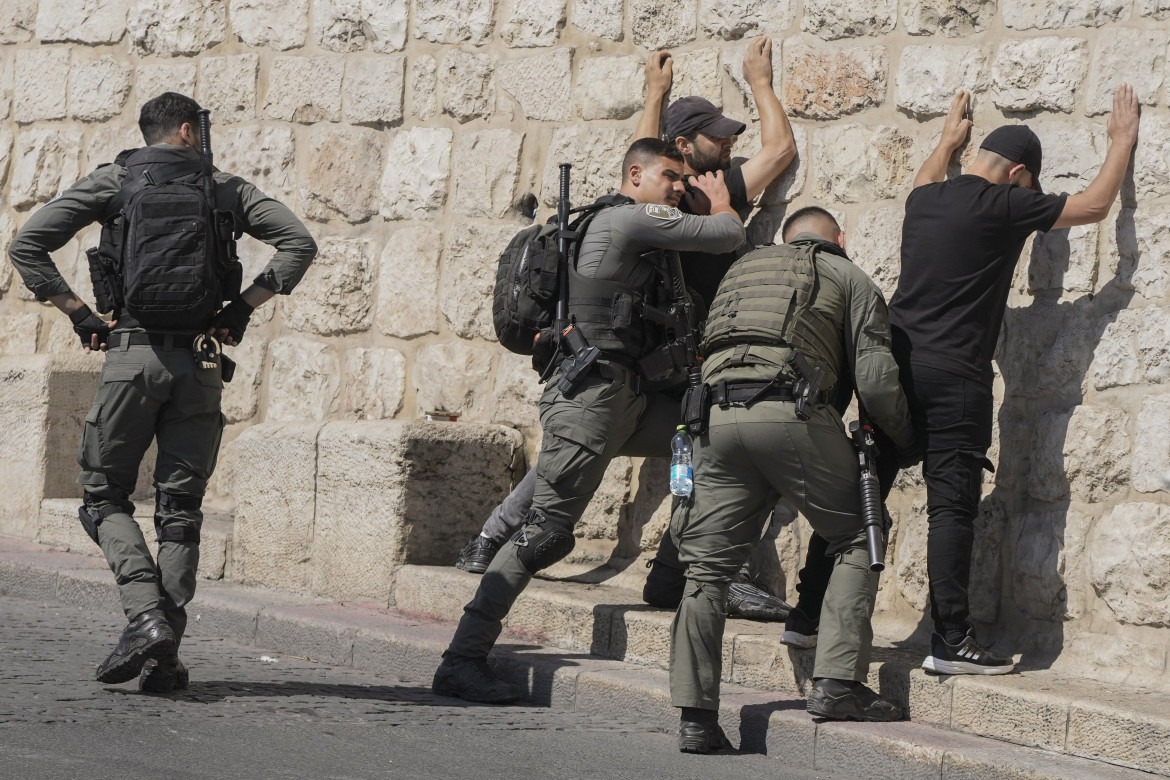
{"x": 682, "y": 480}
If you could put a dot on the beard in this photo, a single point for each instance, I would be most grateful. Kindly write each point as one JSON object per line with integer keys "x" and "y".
{"x": 703, "y": 162}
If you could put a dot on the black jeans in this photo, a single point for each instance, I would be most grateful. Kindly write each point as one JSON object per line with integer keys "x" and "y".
{"x": 954, "y": 414}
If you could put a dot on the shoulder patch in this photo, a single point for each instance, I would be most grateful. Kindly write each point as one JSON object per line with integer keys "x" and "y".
{"x": 659, "y": 211}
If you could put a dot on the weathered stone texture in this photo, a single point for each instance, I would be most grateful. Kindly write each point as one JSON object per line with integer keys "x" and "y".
{"x": 930, "y": 76}
{"x": 488, "y": 163}
{"x": 1151, "y": 452}
{"x": 1072, "y": 153}
{"x": 1048, "y": 550}
{"x": 611, "y": 87}
{"x": 654, "y": 25}
{"x": 264, "y": 155}
{"x": 45, "y": 160}
{"x": 469, "y": 276}
{"x": 5, "y": 157}
{"x": 1151, "y": 167}
{"x": 334, "y": 297}
{"x": 697, "y": 72}
{"x": 858, "y": 163}
{"x": 910, "y": 557}
{"x": 875, "y": 246}
{"x": 1138, "y": 250}
{"x": 1064, "y": 259}
{"x": 227, "y": 87}
{"x": 596, "y": 156}
{"x": 424, "y": 80}
{"x": 303, "y": 381}
{"x": 241, "y": 396}
{"x": 949, "y": 17}
{"x": 7, "y": 77}
{"x": 83, "y": 21}
{"x": 373, "y": 87}
{"x": 600, "y": 18}
{"x": 18, "y": 19}
{"x": 826, "y": 84}
{"x": 541, "y": 84}
{"x": 338, "y": 181}
{"x": 1039, "y": 74}
{"x": 731, "y": 19}
{"x": 731, "y": 57}
{"x": 454, "y": 21}
{"x": 1084, "y": 454}
{"x": 1126, "y": 55}
{"x": 1133, "y": 349}
{"x": 449, "y": 376}
{"x": 277, "y": 24}
{"x": 305, "y": 89}
{"x": 21, "y": 331}
{"x": 609, "y": 505}
{"x": 516, "y": 391}
{"x": 468, "y": 86}
{"x": 831, "y": 19}
{"x": 353, "y": 25}
{"x": 531, "y": 23}
{"x": 174, "y": 27}
{"x": 98, "y": 88}
{"x": 1130, "y": 563}
{"x": 1158, "y": 9}
{"x": 151, "y": 79}
{"x": 1051, "y": 14}
{"x": 408, "y": 283}
{"x": 790, "y": 183}
{"x": 375, "y": 381}
{"x": 414, "y": 184}
{"x": 41, "y": 88}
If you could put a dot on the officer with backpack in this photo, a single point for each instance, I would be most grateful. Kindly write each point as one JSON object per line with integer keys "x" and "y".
{"x": 597, "y": 404}
{"x": 165, "y": 266}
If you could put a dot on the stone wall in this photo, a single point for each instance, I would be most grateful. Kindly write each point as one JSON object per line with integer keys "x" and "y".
{"x": 405, "y": 131}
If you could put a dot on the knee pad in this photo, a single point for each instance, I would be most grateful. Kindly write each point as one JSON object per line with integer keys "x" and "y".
{"x": 95, "y": 509}
{"x": 543, "y": 548}
{"x": 176, "y": 529}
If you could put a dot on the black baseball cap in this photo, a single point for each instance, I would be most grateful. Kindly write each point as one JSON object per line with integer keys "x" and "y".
{"x": 1018, "y": 144}
{"x": 695, "y": 114}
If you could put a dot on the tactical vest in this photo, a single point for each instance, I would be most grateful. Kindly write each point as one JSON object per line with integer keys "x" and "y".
{"x": 765, "y": 299}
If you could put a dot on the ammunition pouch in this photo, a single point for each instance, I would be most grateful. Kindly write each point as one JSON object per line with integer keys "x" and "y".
{"x": 105, "y": 280}
{"x": 696, "y": 409}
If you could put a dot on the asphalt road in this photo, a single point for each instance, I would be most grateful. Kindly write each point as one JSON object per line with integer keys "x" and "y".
{"x": 252, "y": 714}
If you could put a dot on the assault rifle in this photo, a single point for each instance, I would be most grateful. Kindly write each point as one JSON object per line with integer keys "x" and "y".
{"x": 580, "y": 356}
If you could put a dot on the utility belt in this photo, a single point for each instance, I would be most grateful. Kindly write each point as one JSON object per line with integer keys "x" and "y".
{"x": 207, "y": 350}
{"x": 607, "y": 368}
{"x": 698, "y": 399}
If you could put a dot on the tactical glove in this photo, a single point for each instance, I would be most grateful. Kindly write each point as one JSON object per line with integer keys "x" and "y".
{"x": 86, "y": 324}
{"x": 234, "y": 318}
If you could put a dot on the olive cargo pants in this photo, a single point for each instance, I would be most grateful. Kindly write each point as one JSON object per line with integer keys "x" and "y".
{"x": 148, "y": 391}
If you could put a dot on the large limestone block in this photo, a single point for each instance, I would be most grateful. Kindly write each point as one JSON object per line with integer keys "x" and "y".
{"x": 264, "y": 155}
{"x": 277, "y": 24}
{"x": 375, "y": 381}
{"x": 20, "y": 333}
{"x": 98, "y": 88}
{"x": 303, "y": 381}
{"x": 469, "y": 276}
{"x": 275, "y": 494}
{"x": 489, "y": 170}
{"x": 468, "y": 86}
{"x": 7, "y": 77}
{"x": 1158, "y": 9}
{"x": 654, "y": 25}
{"x": 1151, "y": 166}
{"x": 241, "y": 396}
{"x": 424, "y": 91}
{"x": 46, "y": 160}
{"x": 930, "y": 76}
{"x": 596, "y": 156}
{"x": 43, "y": 408}
{"x": 304, "y": 89}
{"x": 414, "y": 184}
{"x": 789, "y": 184}
{"x": 950, "y": 17}
{"x": 351, "y": 25}
{"x": 731, "y": 19}
{"x": 174, "y": 27}
{"x": 372, "y": 91}
{"x": 910, "y": 557}
{"x": 227, "y": 87}
{"x": 599, "y": 18}
{"x": 1049, "y": 552}
{"x": 1084, "y": 454}
{"x": 609, "y": 506}
{"x": 1151, "y": 455}
{"x": 541, "y": 84}
{"x": 454, "y": 21}
{"x": 151, "y": 79}
{"x": 449, "y": 376}
{"x": 1130, "y": 563}
{"x": 858, "y": 163}
{"x": 831, "y": 19}
{"x": 8, "y": 227}
{"x": 611, "y": 87}
{"x": 1137, "y": 252}
{"x": 1051, "y": 14}
{"x": 338, "y": 183}
{"x": 699, "y": 72}
{"x": 1072, "y": 153}
{"x": 829, "y": 83}
{"x": 42, "y": 78}
{"x": 1133, "y": 348}
{"x": 408, "y": 283}
{"x": 516, "y": 392}
{"x": 1039, "y": 74}
{"x": 83, "y": 21}
{"x": 991, "y": 525}
{"x": 387, "y": 493}
{"x": 1134, "y": 56}
{"x": 334, "y": 297}
{"x": 18, "y": 19}
{"x": 532, "y": 23}
{"x": 876, "y": 246}
{"x": 1064, "y": 259}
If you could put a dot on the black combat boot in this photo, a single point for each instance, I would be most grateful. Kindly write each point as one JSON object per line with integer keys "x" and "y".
{"x": 163, "y": 675}
{"x": 699, "y": 732}
{"x": 746, "y": 599}
{"x": 477, "y": 554}
{"x": 849, "y": 700}
{"x": 148, "y": 636}
{"x": 471, "y": 679}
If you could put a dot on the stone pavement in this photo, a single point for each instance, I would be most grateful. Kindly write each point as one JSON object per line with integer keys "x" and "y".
{"x": 595, "y": 689}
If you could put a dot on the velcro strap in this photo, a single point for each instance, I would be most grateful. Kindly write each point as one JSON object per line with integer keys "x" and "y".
{"x": 139, "y": 338}
{"x": 178, "y": 532}
{"x": 725, "y": 394}
{"x": 172, "y": 501}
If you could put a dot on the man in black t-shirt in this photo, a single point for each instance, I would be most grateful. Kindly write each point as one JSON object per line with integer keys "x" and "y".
{"x": 961, "y": 239}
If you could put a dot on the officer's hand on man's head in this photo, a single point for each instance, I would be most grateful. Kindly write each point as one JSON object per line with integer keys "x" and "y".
{"x": 714, "y": 188}
{"x": 695, "y": 200}
{"x": 229, "y": 325}
{"x": 93, "y": 331}
{"x": 659, "y": 72}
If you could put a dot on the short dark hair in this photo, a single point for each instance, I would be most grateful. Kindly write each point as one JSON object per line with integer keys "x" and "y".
{"x": 807, "y": 214}
{"x": 646, "y": 150}
{"x": 162, "y": 116}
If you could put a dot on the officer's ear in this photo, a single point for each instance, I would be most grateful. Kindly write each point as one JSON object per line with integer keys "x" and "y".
{"x": 188, "y": 136}
{"x": 634, "y": 174}
{"x": 840, "y": 241}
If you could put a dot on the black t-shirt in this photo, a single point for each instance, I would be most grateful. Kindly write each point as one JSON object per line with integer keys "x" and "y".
{"x": 960, "y": 242}
{"x": 703, "y": 270}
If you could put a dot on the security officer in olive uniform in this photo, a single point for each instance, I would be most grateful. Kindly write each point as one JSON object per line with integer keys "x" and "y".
{"x": 763, "y": 444}
{"x": 629, "y": 251}
{"x": 153, "y": 385}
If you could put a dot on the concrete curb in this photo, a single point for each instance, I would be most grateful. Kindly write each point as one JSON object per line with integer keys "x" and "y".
{"x": 409, "y": 647}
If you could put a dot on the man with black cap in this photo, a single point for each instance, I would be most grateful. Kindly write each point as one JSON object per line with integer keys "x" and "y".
{"x": 961, "y": 239}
